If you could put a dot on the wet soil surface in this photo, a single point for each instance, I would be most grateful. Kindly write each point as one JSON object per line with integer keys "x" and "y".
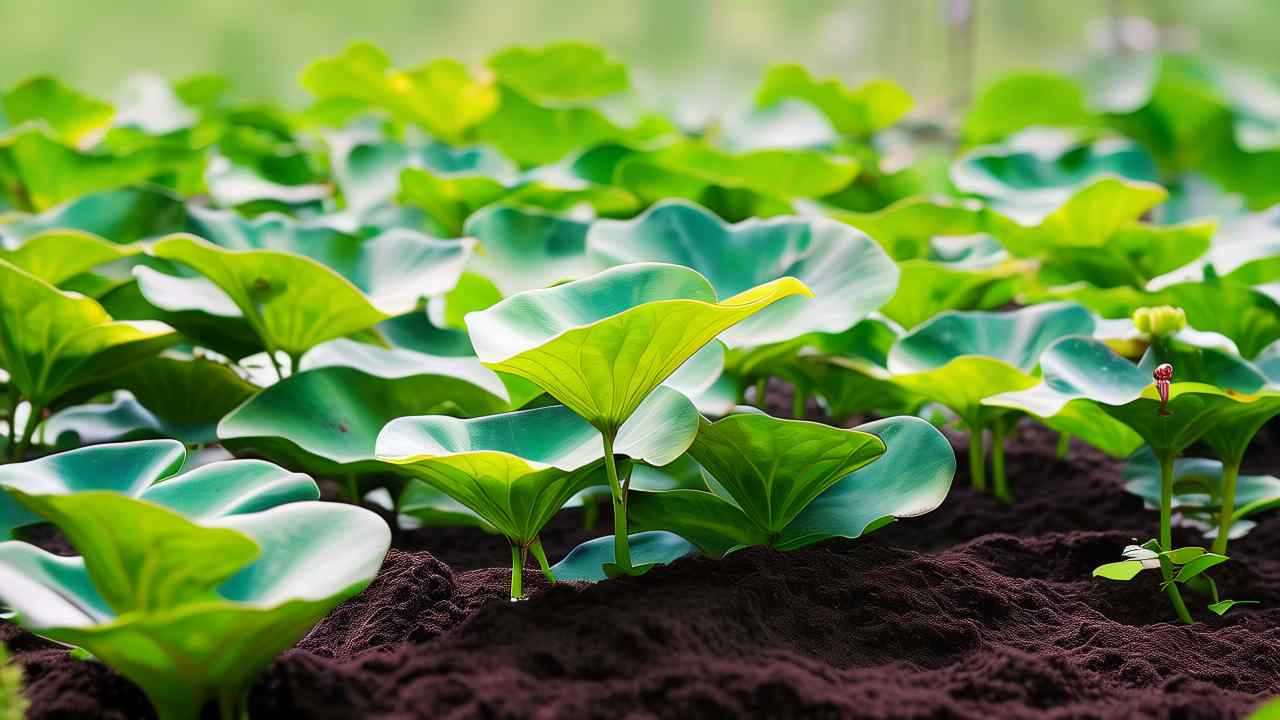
{"x": 976, "y": 610}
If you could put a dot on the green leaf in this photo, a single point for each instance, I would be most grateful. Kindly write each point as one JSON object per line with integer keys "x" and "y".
{"x": 1018, "y": 101}
{"x": 772, "y": 469}
{"x": 122, "y": 216}
{"x": 1198, "y": 565}
{"x": 926, "y": 289}
{"x": 525, "y": 249}
{"x": 601, "y": 344}
{"x": 912, "y": 478}
{"x": 293, "y": 303}
{"x": 147, "y": 470}
{"x": 441, "y": 96}
{"x": 1221, "y": 608}
{"x": 848, "y": 274}
{"x": 712, "y": 523}
{"x": 312, "y": 557}
{"x": 326, "y": 419}
{"x": 1182, "y": 556}
{"x": 46, "y": 173}
{"x": 585, "y": 563}
{"x": 186, "y": 391}
{"x": 1198, "y": 491}
{"x": 56, "y": 256}
{"x": 961, "y": 358}
{"x": 907, "y": 229}
{"x": 688, "y": 169}
{"x": 563, "y": 72}
{"x": 858, "y": 112}
{"x": 53, "y": 342}
{"x": 75, "y": 117}
{"x": 1124, "y": 571}
{"x": 516, "y": 470}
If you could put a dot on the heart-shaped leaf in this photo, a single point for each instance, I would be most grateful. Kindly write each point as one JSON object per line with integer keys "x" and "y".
{"x": 56, "y": 256}
{"x": 525, "y": 249}
{"x": 857, "y": 113}
{"x": 74, "y": 116}
{"x": 585, "y": 563}
{"x": 601, "y": 344}
{"x": 563, "y": 72}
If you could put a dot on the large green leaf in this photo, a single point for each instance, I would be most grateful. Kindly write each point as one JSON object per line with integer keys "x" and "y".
{"x": 325, "y": 419}
{"x": 46, "y": 173}
{"x": 1023, "y": 100}
{"x": 53, "y": 342}
{"x": 517, "y": 470}
{"x": 848, "y": 274}
{"x": 563, "y": 72}
{"x": 121, "y": 216}
{"x": 523, "y": 249}
{"x": 790, "y": 483}
{"x": 442, "y": 96}
{"x": 211, "y": 617}
{"x": 148, "y": 470}
{"x": 56, "y": 256}
{"x": 907, "y": 229}
{"x": 858, "y": 112}
{"x": 74, "y": 116}
{"x": 601, "y": 344}
{"x": 927, "y": 288}
{"x": 960, "y": 358}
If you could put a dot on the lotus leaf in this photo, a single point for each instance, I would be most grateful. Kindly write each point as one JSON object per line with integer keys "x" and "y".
{"x": 857, "y": 112}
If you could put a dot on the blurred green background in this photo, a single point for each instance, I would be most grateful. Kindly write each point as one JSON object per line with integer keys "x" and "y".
{"x": 713, "y": 47}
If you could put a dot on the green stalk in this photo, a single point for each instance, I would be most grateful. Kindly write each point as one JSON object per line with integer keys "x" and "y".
{"x": 1064, "y": 445}
{"x": 1226, "y": 515}
{"x": 233, "y": 706}
{"x": 762, "y": 386}
{"x": 517, "y": 572}
{"x": 271, "y": 355}
{"x": 1166, "y": 536}
{"x": 541, "y": 556}
{"x": 998, "y": 478}
{"x": 12, "y": 418}
{"x": 294, "y": 361}
{"x": 621, "y": 541}
{"x": 799, "y": 403}
{"x": 977, "y": 465}
{"x": 352, "y": 486}
{"x": 28, "y": 432}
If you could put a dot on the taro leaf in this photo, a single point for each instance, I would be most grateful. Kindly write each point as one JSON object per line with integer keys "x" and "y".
{"x": 325, "y": 419}
{"x": 1018, "y": 101}
{"x": 433, "y": 508}
{"x": 74, "y": 116}
{"x": 1089, "y": 218}
{"x": 1246, "y": 250}
{"x": 293, "y": 303}
{"x": 56, "y": 256}
{"x": 53, "y": 342}
{"x": 533, "y": 134}
{"x": 123, "y": 418}
{"x": 1036, "y": 173}
{"x": 786, "y": 124}
{"x": 196, "y": 307}
{"x": 312, "y": 557}
{"x": 690, "y": 169}
{"x": 1133, "y": 255}
{"x": 849, "y": 275}
{"x": 857, "y": 113}
{"x": 528, "y": 249}
{"x": 927, "y": 288}
{"x": 122, "y": 216}
{"x": 449, "y": 200}
{"x": 1083, "y": 376}
{"x": 911, "y": 478}
{"x": 585, "y": 563}
{"x": 906, "y": 230}
{"x": 442, "y": 96}
{"x": 563, "y": 72}
{"x": 960, "y": 358}
{"x": 146, "y": 470}
{"x": 516, "y": 470}
{"x": 603, "y": 343}
{"x": 395, "y": 269}
{"x": 47, "y": 173}
{"x": 1197, "y": 491}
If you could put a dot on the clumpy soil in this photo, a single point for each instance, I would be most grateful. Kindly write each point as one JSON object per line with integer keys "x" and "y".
{"x": 976, "y": 610}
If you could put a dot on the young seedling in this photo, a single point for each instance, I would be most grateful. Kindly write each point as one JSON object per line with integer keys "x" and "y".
{"x": 516, "y": 470}
{"x": 601, "y": 344}
{"x": 788, "y": 483}
{"x": 189, "y": 612}
{"x": 960, "y": 359}
{"x": 1103, "y": 398}
{"x": 13, "y": 705}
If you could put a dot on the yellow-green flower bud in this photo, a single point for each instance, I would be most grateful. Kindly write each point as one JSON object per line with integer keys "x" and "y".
{"x": 1160, "y": 321}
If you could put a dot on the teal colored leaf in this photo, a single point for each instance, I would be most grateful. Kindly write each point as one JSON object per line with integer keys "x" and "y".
{"x": 585, "y": 563}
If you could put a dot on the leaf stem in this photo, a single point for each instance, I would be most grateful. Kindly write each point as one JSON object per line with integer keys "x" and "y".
{"x": 977, "y": 465}
{"x": 28, "y": 432}
{"x": 1000, "y": 481}
{"x": 517, "y": 572}
{"x": 1064, "y": 445}
{"x": 275, "y": 363}
{"x": 541, "y": 556}
{"x": 12, "y": 419}
{"x": 799, "y": 403}
{"x": 1166, "y": 536}
{"x": 1226, "y": 512}
{"x": 762, "y": 386}
{"x": 621, "y": 542}
{"x": 352, "y": 487}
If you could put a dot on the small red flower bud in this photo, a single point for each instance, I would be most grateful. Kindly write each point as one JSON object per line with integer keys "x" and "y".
{"x": 1163, "y": 376}
{"x": 1163, "y": 373}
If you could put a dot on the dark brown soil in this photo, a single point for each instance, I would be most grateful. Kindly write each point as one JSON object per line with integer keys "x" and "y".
{"x": 975, "y": 611}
